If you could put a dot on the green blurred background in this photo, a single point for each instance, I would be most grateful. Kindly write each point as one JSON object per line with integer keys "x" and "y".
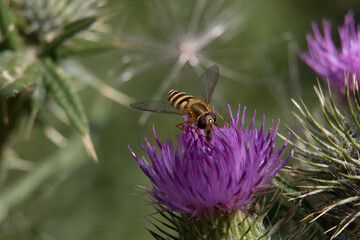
{"x": 88, "y": 201}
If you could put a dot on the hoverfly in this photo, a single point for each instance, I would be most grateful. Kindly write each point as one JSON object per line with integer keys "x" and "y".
{"x": 198, "y": 111}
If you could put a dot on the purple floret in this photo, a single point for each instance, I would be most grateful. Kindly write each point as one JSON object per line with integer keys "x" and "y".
{"x": 327, "y": 60}
{"x": 200, "y": 177}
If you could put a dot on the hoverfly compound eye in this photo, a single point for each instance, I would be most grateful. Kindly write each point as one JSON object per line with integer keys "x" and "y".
{"x": 202, "y": 121}
{"x": 210, "y": 121}
{"x": 213, "y": 115}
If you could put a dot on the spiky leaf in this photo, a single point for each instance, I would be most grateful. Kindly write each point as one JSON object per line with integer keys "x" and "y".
{"x": 17, "y": 73}
{"x": 331, "y": 182}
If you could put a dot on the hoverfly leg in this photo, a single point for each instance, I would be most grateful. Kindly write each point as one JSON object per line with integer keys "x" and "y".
{"x": 199, "y": 134}
{"x": 208, "y": 136}
{"x": 186, "y": 123}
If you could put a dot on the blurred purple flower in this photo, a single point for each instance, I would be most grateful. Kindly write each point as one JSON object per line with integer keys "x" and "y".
{"x": 199, "y": 177}
{"x": 330, "y": 62}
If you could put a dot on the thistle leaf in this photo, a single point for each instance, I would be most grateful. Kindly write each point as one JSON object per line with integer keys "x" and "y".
{"x": 7, "y": 28}
{"x": 344, "y": 223}
{"x": 17, "y": 73}
{"x": 17, "y": 86}
{"x": 69, "y": 91}
{"x": 38, "y": 96}
{"x": 69, "y": 101}
{"x": 80, "y": 46}
{"x": 60, "y": 97}
{"x": 332, "y": 178}
{"x": 341, "y": 202}
{"x": 68, "y": 31}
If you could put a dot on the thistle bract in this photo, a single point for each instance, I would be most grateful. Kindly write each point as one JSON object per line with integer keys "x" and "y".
{"x": 330, "y": 182}
{"x": 201, "y": 177}
{"x": 326, "y": 59}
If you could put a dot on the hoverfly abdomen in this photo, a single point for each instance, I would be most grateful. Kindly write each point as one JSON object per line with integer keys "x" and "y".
{"x": 196, "y": 109}
{"x": 180, "y": 100}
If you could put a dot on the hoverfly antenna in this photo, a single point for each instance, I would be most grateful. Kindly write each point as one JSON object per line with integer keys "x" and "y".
{"x": 221, "y": 117}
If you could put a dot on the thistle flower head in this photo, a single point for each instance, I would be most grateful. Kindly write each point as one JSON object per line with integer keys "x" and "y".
{"x": 330, "y": 62}
{"x": 330, "y": 183}
{"x": 199, "y": 177}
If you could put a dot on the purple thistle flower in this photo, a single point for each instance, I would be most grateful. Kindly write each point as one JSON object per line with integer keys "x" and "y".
{"x": 199, "y": 177}
{"x": 328, "y": 61}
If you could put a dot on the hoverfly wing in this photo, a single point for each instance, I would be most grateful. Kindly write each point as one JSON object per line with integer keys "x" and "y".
{"x": 207, "y": 82}
{"x": 159, "y": 106}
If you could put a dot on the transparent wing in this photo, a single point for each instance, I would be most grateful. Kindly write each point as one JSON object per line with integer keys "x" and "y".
{"x": 155, "y": 106}
{"x": 207, "y": 82}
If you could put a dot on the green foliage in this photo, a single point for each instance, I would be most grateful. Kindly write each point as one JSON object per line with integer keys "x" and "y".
{"x": 331, "y": 179}
{"x": 45, "y": 20}
{"x": 36, "y": 38}
{"x": 68, "y": 31}
{"x": 17, "y": 73}
{"x": 44, "y": 28}
{"x": 7, "y": 27}
{"x": 65, "y": 95}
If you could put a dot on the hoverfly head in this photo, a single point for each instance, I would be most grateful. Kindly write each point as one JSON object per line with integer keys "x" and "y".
{"x": 207, "y": 121}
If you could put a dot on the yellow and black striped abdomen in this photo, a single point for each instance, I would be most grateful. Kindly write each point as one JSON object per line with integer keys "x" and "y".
{"x": 180, "y": 100}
